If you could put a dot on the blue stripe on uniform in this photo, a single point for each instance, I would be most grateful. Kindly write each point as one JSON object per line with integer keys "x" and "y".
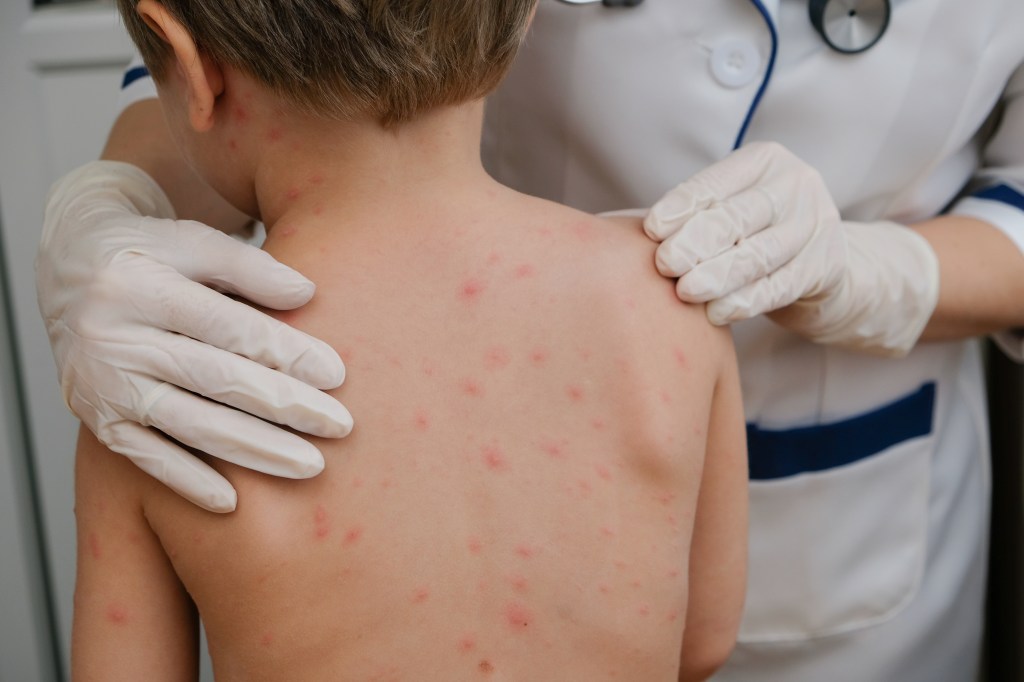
{"x": 1004, "y": 194}
{"x": 778, "y": 454}
{"x": 767, "y": 74}
{"x": 132, "y": 75}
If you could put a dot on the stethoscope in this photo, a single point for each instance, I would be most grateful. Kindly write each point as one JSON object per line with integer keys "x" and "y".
{"x": 847, "y": 26}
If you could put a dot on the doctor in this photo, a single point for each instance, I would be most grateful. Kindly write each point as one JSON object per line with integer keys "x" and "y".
{"x": 869, "y": 223}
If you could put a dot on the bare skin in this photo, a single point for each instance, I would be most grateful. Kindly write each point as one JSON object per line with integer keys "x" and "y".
{"x": 548, "y": 476}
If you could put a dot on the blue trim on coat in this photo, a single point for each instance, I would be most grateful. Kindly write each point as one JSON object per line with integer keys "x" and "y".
{"x": 779, "y": 454}
{"x": 134, "y": 74}
{"x": 767, "y": 74}
{"x": 1003, "y": 194}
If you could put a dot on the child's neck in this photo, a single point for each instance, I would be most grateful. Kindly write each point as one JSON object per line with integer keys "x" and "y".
{"x": 333, "y": 168}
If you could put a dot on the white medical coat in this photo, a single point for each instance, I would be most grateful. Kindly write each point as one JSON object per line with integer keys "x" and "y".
{"x": 870, "y": 479}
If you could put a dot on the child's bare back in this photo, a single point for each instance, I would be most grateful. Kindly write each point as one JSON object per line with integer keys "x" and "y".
{"x": 518, "y": 499}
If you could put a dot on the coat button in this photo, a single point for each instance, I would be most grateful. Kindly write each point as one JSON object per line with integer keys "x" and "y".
{"x": 734, "y": 63}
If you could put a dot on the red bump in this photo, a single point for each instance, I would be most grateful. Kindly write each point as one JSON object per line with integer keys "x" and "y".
{"x": 352, "y": 536}
{"x": 603, "y": 472}
{"x": 420, "y": 595}
{"x": 519, "y": 583}
{"x": 644, "y": 610}
{"x": 538, "y": 356}
{"x": 496, "y": 357}
{"x": 470, "y": 290}
{"x": 672, "y": 616}
{"x": 274, "y": 134}
{"x": 554, "y": 449}
{"x": 518, "y": 616}
{"x": 422, "y": 420}
{"x": 666, "y": 399}
{"x": 94, "y": 546}
{"x": 575, "y": 393}
{"x": 116, "y": 615}
{"x": 467, "y": 643}
{"x": 598, "y": 424}
{"x": 525, "y": 270}
{"x": 321, "y": 526}
{"x": 357, "y": 482}
{"x": 474, "y": 545}
{"x": 288, "y": 230}
{"x": 525, "y": 551}
{"x": 674, "y": 573}
{"x": 240, "y": 114}
{"x": 385, "y": 483}
{"x": 604, "y": 588}
{"x": 233, "y": 145}
{"x": 607, "y": 532}
{"x": 493, "y": 258}
{"x": 318, "y": 209}
{"x": 486, "y": 667}
{"x": 680, "y": 357}
{"x": 316, "y": 179}
{"x": 292, "y": 194}
{"x": 472, "y": 388}
{"x": 267, "y": 639}
{"x": 494, "y": 458}
{"x": 584, "y": 231}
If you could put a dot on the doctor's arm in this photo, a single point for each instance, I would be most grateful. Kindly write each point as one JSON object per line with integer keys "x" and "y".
{"x": 149, "y": 352}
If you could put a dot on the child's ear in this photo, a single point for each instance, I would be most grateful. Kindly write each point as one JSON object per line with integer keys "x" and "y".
{"x": 204, "y": 79}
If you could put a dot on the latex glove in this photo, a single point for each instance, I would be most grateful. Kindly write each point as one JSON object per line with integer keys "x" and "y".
{"x": 138, "y": 338}
{"x": 758, "y": 232}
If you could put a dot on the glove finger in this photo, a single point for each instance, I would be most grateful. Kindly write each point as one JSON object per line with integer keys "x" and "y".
{"x": 206, "y": 255}
{"x": 715, "y": 231}
{"x": 737, "y": 172}
{"x": 762, "y": 296}
{"x": 246, "y": 385}
{"x": 233, "y": 436}
{"x": 208, "y": 316}
{"x": 745, "y": 263}
{"x": 170, "y": 464}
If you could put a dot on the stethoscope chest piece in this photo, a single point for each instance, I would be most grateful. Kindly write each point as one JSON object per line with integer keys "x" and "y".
{"x": 850, "y": 26}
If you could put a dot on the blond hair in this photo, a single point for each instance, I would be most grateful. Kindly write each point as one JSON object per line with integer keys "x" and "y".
{"x": 389, "y": 59}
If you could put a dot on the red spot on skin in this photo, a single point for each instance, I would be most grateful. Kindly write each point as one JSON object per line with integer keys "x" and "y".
{"x": 680, "y": 357}
{"x": 598, "y": 424}
{"x": 467, "y": 643}
{"x": 472, "y": 388}
{"x": 197, "y": 538}
{"x": 357, "y": 482}
{"x": 420, "y": 595}
{"x": 603, "y": 472}
{"x": 672, "y": 520}
{"x": 644, "y": 610}
{"x": 116, "y": 615}
{"x": 486, "y": 667}
{"x": 518, "y": 616}
{"x": 321, "y": 526}
{"x": 604, "y": 588}
{"x": 292, "y": 194}
{"x": 428, "y": 369}
{"x": 584, "y": 231}
{"x": 352, "y": 536}
{"x": 240, "y": 114}
{"x": 316, "y": 179}
{"x": 674, "y": 573}
{"x": 586, "y": 354}
{"x": 496, "y": 357}
{"x": 94, "y": 546}
{"x": 665, "y": 499}
{"x": 525, "y": 551}
{"x": 607, "y": 532}
{"x": 630, "y": 303}
{"x": 346, "y": 354}
{"x": 672, "y": 616}
{"x": 519, "y": 583}
{"x": 494, "y": 458}
{"x": 267, "y": 639}
{"x": 474, "y": 545}
{"x": 385, "y": 483}
{"x": 525, "y": 270}
{"x": 574, "y": 392}
{"x": 554, "y": 449}
{"x": 470, "y": 290}
{"x": 233, "y": 145}
{"x": 621, "y": 565}
{"x": 274, "y": 134}
{"x": 422, "y": 420}
{"x": 584, "y": 487}
{"x": 636, "y": 583}
{"x": 288, "y": 230}
{"x": 493, "y": 258}
{"x": 666, "y": 399}
{"x": 538, "y": 356}
{"x": 318, "y": 209}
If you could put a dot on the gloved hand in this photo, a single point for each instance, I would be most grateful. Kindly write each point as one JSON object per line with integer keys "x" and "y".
{"x": 130, "y": 320}
{"x": 758, "y": 232}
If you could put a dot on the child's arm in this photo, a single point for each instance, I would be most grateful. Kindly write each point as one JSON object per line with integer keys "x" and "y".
{"x": 718, "y": 553}
{"x": 133, "y": 619}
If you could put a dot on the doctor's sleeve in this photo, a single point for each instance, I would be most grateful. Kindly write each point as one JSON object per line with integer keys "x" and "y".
{"x": 996, "y": 192}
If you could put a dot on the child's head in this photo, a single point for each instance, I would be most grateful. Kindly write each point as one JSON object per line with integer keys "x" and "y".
{"x": 389, "y": 60}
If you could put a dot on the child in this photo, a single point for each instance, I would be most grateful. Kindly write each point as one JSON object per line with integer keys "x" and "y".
{"x": 547, "y": 479}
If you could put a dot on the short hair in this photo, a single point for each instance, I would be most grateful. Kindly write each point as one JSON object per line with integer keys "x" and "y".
{"x": 341, "y": 59}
